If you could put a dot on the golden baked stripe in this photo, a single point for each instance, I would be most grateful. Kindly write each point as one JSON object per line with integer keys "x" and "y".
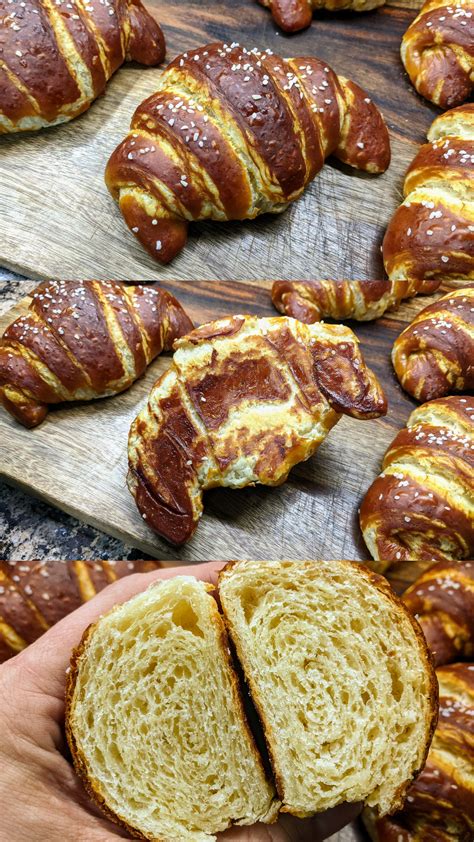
{"x": 41, "y": 369}
{"x": 119, "y": 340}
{"x": 10, "y": 636}
{"x": 88, "y": 20}
{"x": 70, "y": 53}
{"x": 451, "y": 486}
{"x": 84, "y": 580}
{"x": 21, "y": 87}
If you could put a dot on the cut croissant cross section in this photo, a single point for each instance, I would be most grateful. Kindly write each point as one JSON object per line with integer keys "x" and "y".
{"x": 245, "y": 400}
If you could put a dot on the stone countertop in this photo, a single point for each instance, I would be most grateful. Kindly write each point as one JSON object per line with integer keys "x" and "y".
{"x": 31, "y": 529}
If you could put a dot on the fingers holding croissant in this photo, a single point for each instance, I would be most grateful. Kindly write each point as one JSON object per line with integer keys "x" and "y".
{"x": 233, "y": 133}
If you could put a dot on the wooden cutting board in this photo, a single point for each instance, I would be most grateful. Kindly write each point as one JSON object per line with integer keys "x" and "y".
{"x": 77, "y": 458}
{"x": 58, "y": 221}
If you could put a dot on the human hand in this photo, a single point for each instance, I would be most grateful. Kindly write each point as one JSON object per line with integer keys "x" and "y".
{"x": 42, "y": 799}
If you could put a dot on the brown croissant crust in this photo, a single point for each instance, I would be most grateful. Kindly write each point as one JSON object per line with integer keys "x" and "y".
{"x": 440, "y": 804}
{"x": 82, "y": 340}
{"x": 431, "y": 235}
{"x": 421, "y": 507}
{"x": 434, "y": 356}
{"x": 56, "y": 58}
{"x": 232, "y": 133}
{"x": 311, "y": 301}
{"x": 442, "y": 600}
{"x": 438, "y": 51}
{"x": 245, "y": 400}
{"x": 293, "y": 15}
{"x": 34, "y": 595}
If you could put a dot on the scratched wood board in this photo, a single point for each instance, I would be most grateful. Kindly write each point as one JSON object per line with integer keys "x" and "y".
{"x": 57, "y": 219}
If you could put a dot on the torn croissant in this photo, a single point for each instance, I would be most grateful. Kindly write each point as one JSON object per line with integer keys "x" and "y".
{"x": 245, "y": 400}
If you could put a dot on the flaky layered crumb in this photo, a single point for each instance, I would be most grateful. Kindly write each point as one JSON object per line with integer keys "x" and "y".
{"x": 156, "y": 723}
{"x": 340, "y": 676}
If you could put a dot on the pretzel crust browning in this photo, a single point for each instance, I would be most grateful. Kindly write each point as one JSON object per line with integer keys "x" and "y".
{"x": 311, "y": 301}
{"x": 438, "y": 52}
{"x": 421, "y": 507}
{"x": 55, "y": 62}
{"x": 434, "y": 356}
{"x": 83, "y": 340}
{"x": 231, "y": 134}
{"x": 294, "y": 15}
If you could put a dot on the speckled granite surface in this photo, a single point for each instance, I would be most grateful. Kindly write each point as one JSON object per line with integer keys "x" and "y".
{"x": 32, "y": 529}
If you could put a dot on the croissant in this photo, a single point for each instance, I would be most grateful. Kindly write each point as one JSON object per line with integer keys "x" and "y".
{"x": 442, "y": 600}
{"x": 34, "y": 595}
{"x": 431, "y": 234}
{"x": 440, "y": 804}
{"x": 245, "y": 400}
{"x": 434, "y": 356}
{"x": 293, "y": 15}
{"x": 311, "y": 301}
{"x": 82, "y": 340}
{"x": 231, "y": 134}
{"x": 438, "y": 51}
{"x": 421, "y": 508}
{"x": 56, "y": 58}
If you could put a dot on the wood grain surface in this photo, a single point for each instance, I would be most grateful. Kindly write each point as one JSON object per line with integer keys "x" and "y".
{"x": 58, "y": 221}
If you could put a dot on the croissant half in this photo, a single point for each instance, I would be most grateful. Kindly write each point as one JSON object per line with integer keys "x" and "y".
{"x": 434, "y": 356}
{"x": 56, "y": 57}
{"x": 311, "y": 301}
{"x": 245, "y": 400}
{"x": 431, "y": 234}
{"x": 231, "y": 134}
{"x": 82, "y": 340}
{"x": 438, "y": 51}
{"x": 421, "y": 508}
{"x": 293, "y": 15}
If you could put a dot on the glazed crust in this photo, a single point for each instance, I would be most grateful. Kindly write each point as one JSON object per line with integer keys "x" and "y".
{"x": 434, "y": 356}
{"x": 55, "y": 63}
{"x": 420, "y": 507}
{"x": 438, "y": 52}
{"x": 294, "y": 15}
{"x": 431, "y": 235}
{"x": 208, "y": 424}
{"x": 440, "y": 804}
{"x": 231, "y": 134}
{"x": 83, "y": 340}
{"x": 382, "y": 585}
{"x": 34, "y": 595}
{"x": 311, "y": 301}
{"x": 442, "y": 600}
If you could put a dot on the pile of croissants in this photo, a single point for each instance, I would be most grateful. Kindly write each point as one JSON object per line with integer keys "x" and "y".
{"x": 232, "y": 133}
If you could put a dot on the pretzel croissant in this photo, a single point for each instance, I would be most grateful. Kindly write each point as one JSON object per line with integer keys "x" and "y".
{"x": 231, "y": 134}
{"x": 440, "y": 804}
{"x": 56, "y": 58}
{"x": 34, "y": 595}
{"x": 245, "y": 400}
{"x": 82, "y": 340}
{"x": 438, "y": 51}
{"x": 311, "y": 301}
{"x": 293, "y": 15}
{"x": 431, "y": 234}
{"x": 421, "y": 508}
{"x": 434, "y": 356}
{"x": 442, "y": 599}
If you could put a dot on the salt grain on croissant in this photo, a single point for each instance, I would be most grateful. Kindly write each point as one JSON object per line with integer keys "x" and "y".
{"x": 82, "y": 340}
{"x": 233, "y": 133}
{"x": 56, "y": 57}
